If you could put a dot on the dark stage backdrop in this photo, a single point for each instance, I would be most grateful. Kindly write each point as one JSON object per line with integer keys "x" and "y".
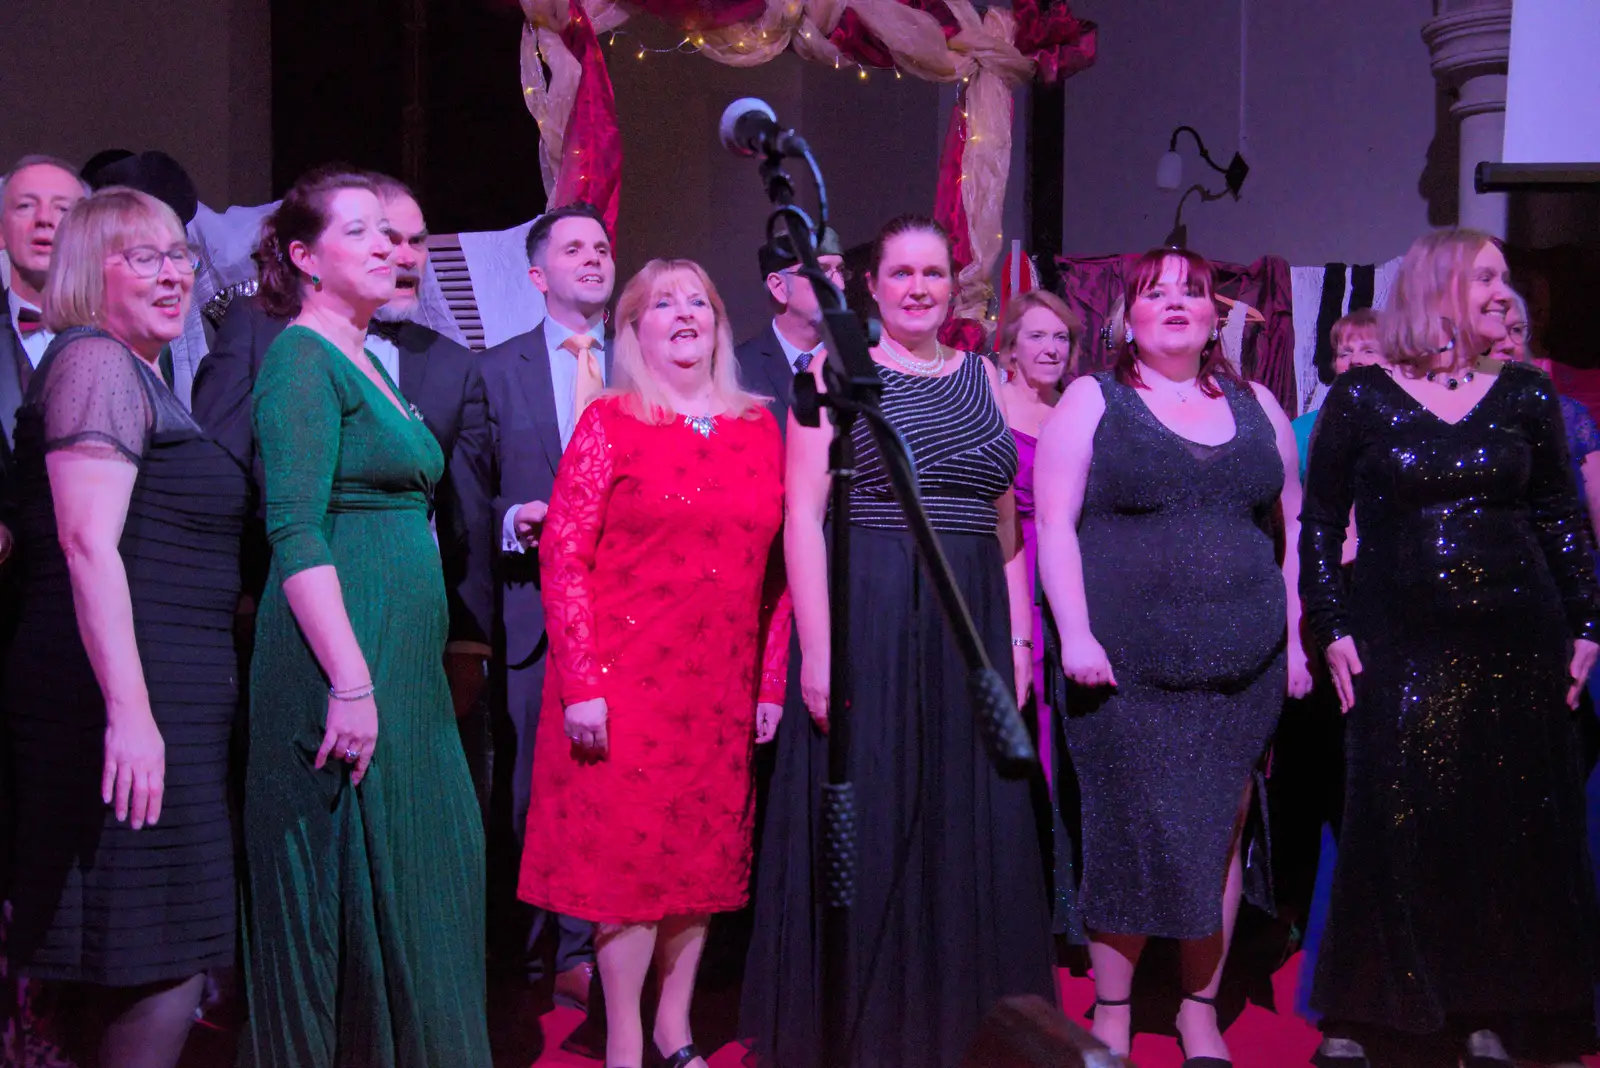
{"x": 426, "y": 90}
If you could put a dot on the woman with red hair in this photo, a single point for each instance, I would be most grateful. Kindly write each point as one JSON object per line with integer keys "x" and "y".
{"x": 1156, "y": 486}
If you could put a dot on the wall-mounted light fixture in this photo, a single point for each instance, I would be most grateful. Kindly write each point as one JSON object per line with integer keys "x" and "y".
{"x": 1169, "y": 172}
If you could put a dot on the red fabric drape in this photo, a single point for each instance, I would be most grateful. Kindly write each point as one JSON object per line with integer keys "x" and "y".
{"x": 690, "y": 15}
{"x": 591, "y": 153}
{"x": 1060, "y": 43}
{"x": 950, "y": 213}
{"x": 860, "y": 45}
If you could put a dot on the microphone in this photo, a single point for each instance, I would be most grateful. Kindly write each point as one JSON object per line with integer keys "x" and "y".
{"x": 749, "y": 127}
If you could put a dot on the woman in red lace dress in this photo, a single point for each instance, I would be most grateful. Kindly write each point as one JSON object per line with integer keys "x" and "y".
{"x": 667, "y": 660}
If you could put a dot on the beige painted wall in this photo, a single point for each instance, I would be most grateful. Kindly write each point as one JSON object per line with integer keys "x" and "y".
{"x": 189, "y": 77}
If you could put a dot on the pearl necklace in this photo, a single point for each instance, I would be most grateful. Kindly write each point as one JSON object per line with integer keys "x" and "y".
{"x": 913, "y": 365}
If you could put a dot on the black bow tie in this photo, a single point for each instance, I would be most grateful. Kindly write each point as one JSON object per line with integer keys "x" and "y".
{"x": 29, "y": 321}
{"x": 385, "y": 329}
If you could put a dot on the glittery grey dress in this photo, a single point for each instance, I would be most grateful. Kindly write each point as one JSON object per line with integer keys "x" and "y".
{"x": 1463, "y": 884}
{"x": 1185, "y": 595}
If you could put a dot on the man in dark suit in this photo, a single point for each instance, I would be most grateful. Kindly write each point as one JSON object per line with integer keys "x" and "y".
{"x": 439, "y": 377}
{"x": 35, "y": 195}
{"x": 769, "y": 361}
{"x": 537, "y": 385}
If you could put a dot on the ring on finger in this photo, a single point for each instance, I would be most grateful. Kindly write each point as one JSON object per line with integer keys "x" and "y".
{"x": 352, "y": 754}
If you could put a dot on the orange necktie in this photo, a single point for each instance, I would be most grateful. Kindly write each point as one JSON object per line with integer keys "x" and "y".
{"x": 589, "y": 381}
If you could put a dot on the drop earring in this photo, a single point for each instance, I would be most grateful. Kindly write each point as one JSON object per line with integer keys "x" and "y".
{"x": 1213, "y": 333}
{"x": 1127, "y": 335}
{"x": 316, "y": 282}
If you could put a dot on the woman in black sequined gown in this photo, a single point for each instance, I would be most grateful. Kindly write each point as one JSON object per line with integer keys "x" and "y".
{"x": 1157, "y": 486}
{"x": 1463, "y": 907}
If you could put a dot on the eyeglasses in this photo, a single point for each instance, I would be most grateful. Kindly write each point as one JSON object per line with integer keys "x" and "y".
{"x": 145, "y": 260}
{"x": 840, "y": 274}
{"x": 1519, "y": 331}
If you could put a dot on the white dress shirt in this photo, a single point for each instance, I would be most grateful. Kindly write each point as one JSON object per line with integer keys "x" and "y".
{"x": 388, "y": 354}
{"x": 563, "y": 386}
{"x": 793, "y": 352}
{"x": 35, "y": 343}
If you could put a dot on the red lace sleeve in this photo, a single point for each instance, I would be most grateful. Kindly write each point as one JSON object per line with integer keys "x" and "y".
{"x": 779, "y": 611}
{"x": 775, "y": 657}
{"x": 566, "y": 557}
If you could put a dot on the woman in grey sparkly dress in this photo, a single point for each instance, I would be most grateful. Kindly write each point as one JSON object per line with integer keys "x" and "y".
{"x": 1156, "y": 487}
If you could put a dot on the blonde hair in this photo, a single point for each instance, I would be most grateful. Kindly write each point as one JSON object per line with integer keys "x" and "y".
{"x": 102, "y": 224}
{"x": 1022, "y": 305}
{"x": 633, "y": 379}
{"x": 1427, "y": 313}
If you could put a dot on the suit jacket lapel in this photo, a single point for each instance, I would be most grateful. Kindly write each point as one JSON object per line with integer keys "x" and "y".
{"x": 414, "y": 373}
{"x": 540, "y": 395}
{"x": 413, "y": 364}
{"x": 776, "y": 363}
{"x": 12, "y": 358}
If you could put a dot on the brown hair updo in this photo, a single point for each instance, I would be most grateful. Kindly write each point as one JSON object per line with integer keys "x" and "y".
{"x": 302, "y": 216}
{"x": 909, "y": 224}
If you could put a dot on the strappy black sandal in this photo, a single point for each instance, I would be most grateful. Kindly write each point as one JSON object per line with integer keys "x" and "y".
{"x": 1202, "y": 1062}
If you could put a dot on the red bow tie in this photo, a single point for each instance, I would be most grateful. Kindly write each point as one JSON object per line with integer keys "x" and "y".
{"x": 28, "y": 321}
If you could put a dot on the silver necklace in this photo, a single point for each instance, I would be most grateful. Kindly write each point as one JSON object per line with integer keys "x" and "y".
{"x": 911, "y": 363}
{"x": 1180, "y": 392}
{"x": 704, "y": 425}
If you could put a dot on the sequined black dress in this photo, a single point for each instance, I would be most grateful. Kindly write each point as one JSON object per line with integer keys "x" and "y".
{"x": 1185, "y": 595}
{"x": 1463, "y": 884}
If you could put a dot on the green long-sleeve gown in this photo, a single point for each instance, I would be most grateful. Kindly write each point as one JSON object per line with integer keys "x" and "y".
{"x": 363, "y": 914}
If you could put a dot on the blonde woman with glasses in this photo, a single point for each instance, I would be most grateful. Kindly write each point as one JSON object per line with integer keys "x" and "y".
{"x": 121, "y": 689}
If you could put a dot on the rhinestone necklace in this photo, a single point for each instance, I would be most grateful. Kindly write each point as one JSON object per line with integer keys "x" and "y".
{"x": 704, "y": 425}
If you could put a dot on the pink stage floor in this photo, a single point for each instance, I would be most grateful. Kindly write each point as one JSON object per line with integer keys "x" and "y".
{"x": 1259, "y": 1039}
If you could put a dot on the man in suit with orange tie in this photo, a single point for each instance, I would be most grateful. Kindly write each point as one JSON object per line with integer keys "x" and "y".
{"x": 538, "y": 383}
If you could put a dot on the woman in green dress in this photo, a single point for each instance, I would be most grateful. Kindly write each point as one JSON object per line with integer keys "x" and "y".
{"x": 364, "y": 890}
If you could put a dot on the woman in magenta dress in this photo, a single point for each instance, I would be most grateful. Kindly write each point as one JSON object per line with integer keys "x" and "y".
{"x": 1039, "y": 346}
{"x": 667, "y": 663}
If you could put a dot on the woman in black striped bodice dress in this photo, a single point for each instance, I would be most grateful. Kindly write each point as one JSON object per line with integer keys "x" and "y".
{"x": 950, "y": 912}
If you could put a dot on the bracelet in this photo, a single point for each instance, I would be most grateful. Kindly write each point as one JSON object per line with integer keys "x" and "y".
{"x": 354, "y": 693}
{"x": 1022, "y": 643}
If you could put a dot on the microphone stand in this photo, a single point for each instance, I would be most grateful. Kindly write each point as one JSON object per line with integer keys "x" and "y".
{"x": 854, "y": 389}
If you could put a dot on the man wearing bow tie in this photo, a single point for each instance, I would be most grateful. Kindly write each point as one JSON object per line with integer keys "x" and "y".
{"x": 792, "y": 342}
{"x": 538, "y": 384}
{"x": 435, "y": 374}
{"x": 35, "y": 195}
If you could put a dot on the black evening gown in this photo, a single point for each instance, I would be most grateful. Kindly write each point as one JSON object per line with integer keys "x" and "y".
{"x": 94, "y": 900}
{"x": 951, "y": 910}
{"x": 1463, "y": 885}
{"x": 1186, "y": 597}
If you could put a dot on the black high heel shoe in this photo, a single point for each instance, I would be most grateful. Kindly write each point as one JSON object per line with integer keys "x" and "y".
{"x": 1202, "y": 1062}
{"x": 654, "y": 1058}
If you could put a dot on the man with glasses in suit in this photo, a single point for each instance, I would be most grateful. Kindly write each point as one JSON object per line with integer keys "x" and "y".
{"x": 793, "y": 340}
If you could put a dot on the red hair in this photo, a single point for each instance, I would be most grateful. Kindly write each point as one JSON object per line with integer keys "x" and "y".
{"x": 1145, "y": 273}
